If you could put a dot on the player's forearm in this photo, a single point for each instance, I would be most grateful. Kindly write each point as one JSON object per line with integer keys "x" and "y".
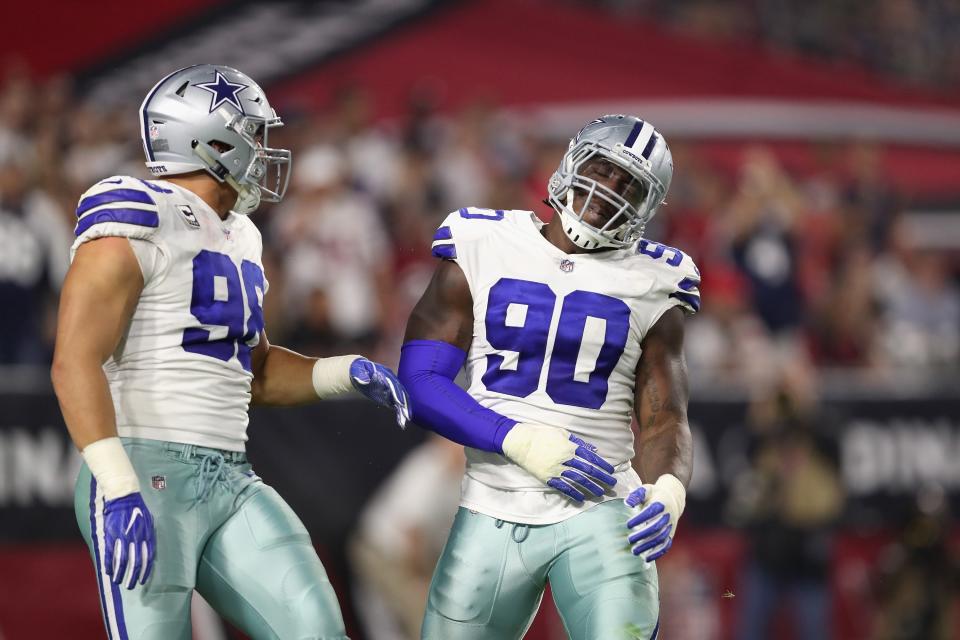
{"x": 287, "y": 378}
{"x": 664, "y": 448}
{"x": 664, "y": 444}
{"x": 84, "y": 396}
{"x": 284, "y": 379}
{"x": 427, "y": 369}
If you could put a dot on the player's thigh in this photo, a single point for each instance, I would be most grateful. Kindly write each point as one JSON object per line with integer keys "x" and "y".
{"x": 600, "y": 588}
{"x": 261, "y": 572}
{"x": 481, "y": 588}
{"x": 159, "y": 610}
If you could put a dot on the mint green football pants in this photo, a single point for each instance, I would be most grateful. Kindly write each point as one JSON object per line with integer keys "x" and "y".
{"x": 491, "y": 576}
{"x": 222, "y": 531}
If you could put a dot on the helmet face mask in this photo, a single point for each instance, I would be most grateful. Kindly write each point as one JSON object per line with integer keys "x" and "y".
{"x": 216, "y": 119}
{"x": 255, "y": 132}
{"x": 622, "y": 151}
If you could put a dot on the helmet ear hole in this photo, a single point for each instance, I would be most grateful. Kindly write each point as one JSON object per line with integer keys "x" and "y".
{"x": 220, "y": 146}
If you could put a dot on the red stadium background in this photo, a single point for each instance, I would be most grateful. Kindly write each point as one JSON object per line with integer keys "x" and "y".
{"x": 848, "y": 121}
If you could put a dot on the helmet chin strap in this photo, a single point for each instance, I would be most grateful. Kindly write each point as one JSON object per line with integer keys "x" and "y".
{"x": 248, "y": 196}
{"x": 579, "y": 232}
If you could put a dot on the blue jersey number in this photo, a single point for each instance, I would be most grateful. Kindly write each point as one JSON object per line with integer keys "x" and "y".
{"x": 217, "y": 303}
{"x": 656, "y": 250}
{"x": 527, "y": 336}
{"x": 482, "y": 214}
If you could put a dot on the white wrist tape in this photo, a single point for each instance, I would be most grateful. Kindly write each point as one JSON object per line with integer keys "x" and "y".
{"x": 539, "y": 449}
{"x": 331, "y": 376}
{"x": 111, "y": 466}
{"x": 669, "y": 485}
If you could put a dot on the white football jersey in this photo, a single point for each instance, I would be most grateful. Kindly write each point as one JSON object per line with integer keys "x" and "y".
{"x": 556, "y": 341}
{"x": 182, "y": 370}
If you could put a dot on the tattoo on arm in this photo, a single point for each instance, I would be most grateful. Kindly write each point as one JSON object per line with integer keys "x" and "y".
{"x": 663, "y": 441}
{"x": 653, "y": 403}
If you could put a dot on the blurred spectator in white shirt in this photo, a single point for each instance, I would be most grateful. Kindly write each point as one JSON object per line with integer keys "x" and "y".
{"x": 923, "y": 313}
{"x": 400, "y": 537}
{"x": 334, "y": 241}
{"x": 34, "y": 243}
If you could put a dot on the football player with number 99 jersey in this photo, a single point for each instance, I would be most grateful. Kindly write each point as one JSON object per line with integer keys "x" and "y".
{"x": 567, "y": 331}
{"x": 161, "y": 349}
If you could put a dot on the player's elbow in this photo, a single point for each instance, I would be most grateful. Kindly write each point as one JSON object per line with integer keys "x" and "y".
{"x": 63, "y": 371}
{"x": 57, "y": 374}
{"x": 263, "y": 393}
{"x": 69, "y": 367}
{"x": 258, "y": 392}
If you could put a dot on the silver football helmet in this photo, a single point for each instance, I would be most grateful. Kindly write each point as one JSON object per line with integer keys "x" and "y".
{"x": 626, "y": 142}
{"x": 214, "y": 118}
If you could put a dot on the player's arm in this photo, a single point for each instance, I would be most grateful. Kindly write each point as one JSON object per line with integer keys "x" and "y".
{"x": 435, "y": 347}
{"x": 282, "y": 378}
{"x": 664, "y": 458}
{"x": 98, "y": 299}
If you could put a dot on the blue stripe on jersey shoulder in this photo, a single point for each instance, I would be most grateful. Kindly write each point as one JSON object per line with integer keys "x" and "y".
{"x": 114, "y": 195}
{"x": 690, "y": 298}
{"x": 443, "y": 233}
{"x": 689, "y": 283}
{"x": 444, "y": 251}
{"x": 127, "y": 216}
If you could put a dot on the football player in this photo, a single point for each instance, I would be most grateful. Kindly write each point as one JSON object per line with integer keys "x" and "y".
{"x": 161, "y": 348}
{"x": 567, "y": 330}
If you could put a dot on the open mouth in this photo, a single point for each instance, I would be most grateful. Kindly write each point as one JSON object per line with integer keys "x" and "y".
{"x": 598, "y": 211}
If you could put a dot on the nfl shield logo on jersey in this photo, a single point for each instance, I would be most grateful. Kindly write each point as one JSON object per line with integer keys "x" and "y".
{"x": 566, "y": 265}
{"x": 159, "y": 482}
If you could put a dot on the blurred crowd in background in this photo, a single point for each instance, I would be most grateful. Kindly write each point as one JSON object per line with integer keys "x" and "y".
{"x": 912, "y": 40}
{"x": 801, "y": 273}
{"x": 804, "y": 273}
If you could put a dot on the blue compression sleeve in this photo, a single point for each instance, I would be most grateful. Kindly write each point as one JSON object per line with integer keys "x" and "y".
{"x": 427, "y": 370}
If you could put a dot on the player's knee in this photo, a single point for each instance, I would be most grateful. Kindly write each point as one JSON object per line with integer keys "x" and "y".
{"x": 619, "y": 617}
{"x": 316, "y": 615}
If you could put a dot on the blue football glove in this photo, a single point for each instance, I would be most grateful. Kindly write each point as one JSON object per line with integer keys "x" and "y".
{"x": 381, "y": 385}
{"x": 558, "y": 459}
{"x": 130, "y": 540}
{"x": 658, "y": 508}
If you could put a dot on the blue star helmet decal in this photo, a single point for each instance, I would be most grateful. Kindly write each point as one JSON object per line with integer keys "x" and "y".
{"x": 223, "y": 91}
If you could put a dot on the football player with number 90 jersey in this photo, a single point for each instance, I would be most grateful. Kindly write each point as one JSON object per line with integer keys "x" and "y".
{"x": 567, "y": 331}
{"x": 160, "y": 350}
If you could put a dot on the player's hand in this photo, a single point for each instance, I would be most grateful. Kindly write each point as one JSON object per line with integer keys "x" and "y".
{"x": 130, "y": 540}
{"x": 657, "y": 508}
{"x": 381, "y": 385}
{"x": 559, "y": 459}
